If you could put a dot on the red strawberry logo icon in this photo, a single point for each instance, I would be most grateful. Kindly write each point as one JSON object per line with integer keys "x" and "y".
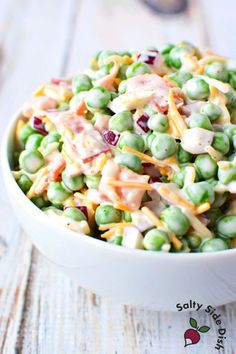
{"x": 192, "y": 336}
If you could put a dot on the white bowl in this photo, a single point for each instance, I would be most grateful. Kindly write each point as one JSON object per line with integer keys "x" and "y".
{"x": 136, "y": 277}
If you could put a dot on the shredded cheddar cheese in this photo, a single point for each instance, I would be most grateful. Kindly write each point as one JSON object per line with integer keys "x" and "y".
{"x": 112, "y": 225}
{"x": 174, "y": 114}
{"x": 202, "y": 208}
{"x": 130, "y": 184}
{"x": 177, "y": 199}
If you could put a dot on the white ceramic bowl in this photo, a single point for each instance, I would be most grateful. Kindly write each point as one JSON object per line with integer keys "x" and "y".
{"x": 136, "y": 277}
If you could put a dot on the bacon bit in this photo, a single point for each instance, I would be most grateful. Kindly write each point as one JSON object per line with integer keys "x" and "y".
{"x": 130, "y": 184}
{"x": 202, "y": 208}
{"x": 112, "y": 225}
{"x": 57, "y": 81}
{"x": 152, "y": 217}
{"x": 122, "y": 207}
{"x": 166, "y": 192}
{"x": 81, "y": 109}
{"x": 57, "y": 169}
{"x": 90, "y": 158}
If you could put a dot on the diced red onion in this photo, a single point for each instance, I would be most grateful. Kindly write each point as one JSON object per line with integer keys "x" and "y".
{"x": 111, "y": 137}
{"x": 147, "y": 164}
{"x": 82, "y": 208}
{"x": 148, "y": 56}
{"x": 154, "y": 179}
{"x": 39, "y": 125}
{"x": 142, "y": 122}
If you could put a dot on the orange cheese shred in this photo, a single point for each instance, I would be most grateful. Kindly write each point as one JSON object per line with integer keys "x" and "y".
{"x": 130, "y": 184}
{"x": 175, "y": 198}
{"x": 112, "y": 225}
{"x": 202, "y": 208}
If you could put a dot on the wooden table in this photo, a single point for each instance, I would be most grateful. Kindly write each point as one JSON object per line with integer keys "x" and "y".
{"x": 41, "y": 311}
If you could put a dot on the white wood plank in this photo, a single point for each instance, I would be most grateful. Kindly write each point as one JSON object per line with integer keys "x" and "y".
{"x": 220, "y": 18}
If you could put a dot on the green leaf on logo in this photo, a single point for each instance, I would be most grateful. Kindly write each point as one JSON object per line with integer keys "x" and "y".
{"x": 193, "y": 322}
{"x": 204, "y": 329}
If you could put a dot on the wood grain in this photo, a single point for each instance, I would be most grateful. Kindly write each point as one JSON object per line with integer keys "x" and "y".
{"x": 41, "y": 310}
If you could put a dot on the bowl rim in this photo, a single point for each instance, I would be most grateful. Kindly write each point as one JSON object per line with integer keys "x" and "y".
{"x": 41, "y": 217}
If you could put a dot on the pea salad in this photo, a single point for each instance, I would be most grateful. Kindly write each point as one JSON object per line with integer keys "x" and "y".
{"x": 139, "y": 150}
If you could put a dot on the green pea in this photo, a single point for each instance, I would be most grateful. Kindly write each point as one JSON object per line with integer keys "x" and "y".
{"x": 221, "y": 142}
{"x": 200, "y": 192}
{"x": 149, "y": 139}
{"x": 127, "y": 216}
{"x": 217, "y": 71}
{"x": 228, "y": 175}
{"x": 33, "y": 142}
{"x": 200, "y": 120}
{"x": 63, "y": 106}
{"x": 220, "y": 199}
{"x": 179, "y": 176}
{"x": 137, "y": 68}
{"x": 211, "y": 110}
{"x": 212, "y": 215}
{"x": 176, "y": 54}
{"x": 98, "y": 98}
{"x": 155, "y": 239}
{"x": 77, "y": 100}
{"x": 129, "y": 160}
{"x": 122, "y": 87}
{"x": 31, "y": 161}
{"x": 166, "y": 48}
{"x": 122, "y": 71}
{"x": 232, "y": 80}
{"x": 234, "y": 141}
{"x": 25, "y": 132}
{"x": 175, "y": 220}
{"x": 74, "y": 214}
{"x": 230, "y": 130}
{"x": 158, "y": 122}
{"x": 231, "y": 157}
{"x": 214, "y": 245}
{"x": 226, "y": 226}
{"x": 194, "y": 241}
{"x": 181, "y": 77}
{"x": 72, "y": 183}
{"x": 206, "y": 166}
{"x": 106, "y": 214}
{"x": 40, "y": 202}
{"x": 24, "y": 182}
{"x": 132, "y": 140}
{"x": 116, "y": 240}
{"x": 57, "y": 194}
{"x": 92, "y": 182}
{"x": 81, "y": 82}
{"x": 121, "y": 121}
{"x": 53, "y": 137}
{"x": 183, "y": 156}
{"x": 103, "y": 55}
{"x": 197, "y": 89}
{"x": 163, "y": 146}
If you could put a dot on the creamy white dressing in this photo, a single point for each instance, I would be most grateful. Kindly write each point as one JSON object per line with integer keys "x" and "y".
{"x": 196, "y": 140}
